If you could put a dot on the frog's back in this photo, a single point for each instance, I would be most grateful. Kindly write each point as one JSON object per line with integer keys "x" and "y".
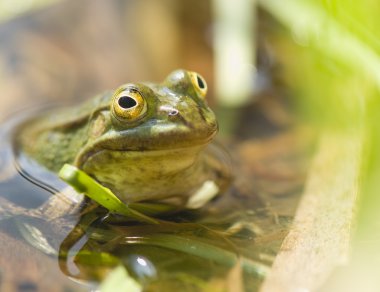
{"x": 55, "y": 136}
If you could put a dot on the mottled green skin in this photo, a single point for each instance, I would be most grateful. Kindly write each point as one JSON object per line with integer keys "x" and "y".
{"x": 159, "y": 156}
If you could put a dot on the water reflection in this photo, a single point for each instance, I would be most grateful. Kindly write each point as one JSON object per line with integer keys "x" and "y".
{"x": 142, "y": 267}
{"x": 90, "y": 243}
{"x": 187, "y": 247}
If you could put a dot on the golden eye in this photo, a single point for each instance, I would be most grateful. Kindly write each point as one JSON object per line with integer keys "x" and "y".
{"x": 199, "y": 84}
{"x": 128, "y": 104}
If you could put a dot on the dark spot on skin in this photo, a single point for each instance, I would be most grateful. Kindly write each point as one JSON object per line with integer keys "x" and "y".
{"x": 201, "y": 84}
{"x": 142, "y": 148}
{"x": 127, "y": 102}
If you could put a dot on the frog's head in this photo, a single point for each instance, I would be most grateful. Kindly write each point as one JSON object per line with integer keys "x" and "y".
{"x": 164, "y": 116}
{"x": 148, "y": 125}
{"x": 146, "y": 117}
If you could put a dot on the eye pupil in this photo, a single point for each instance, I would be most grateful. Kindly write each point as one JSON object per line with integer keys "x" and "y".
{"x": 201, "y": 83}
{"x": 127, "y": 102}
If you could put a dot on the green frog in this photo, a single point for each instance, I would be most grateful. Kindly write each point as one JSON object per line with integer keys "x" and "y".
{"x": 143, "y": 141}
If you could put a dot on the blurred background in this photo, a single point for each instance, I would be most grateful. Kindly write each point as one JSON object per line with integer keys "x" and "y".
{"x": 268, "y": 65}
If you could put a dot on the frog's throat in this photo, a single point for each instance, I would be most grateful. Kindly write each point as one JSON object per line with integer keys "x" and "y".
{"x": 145, "y": 175}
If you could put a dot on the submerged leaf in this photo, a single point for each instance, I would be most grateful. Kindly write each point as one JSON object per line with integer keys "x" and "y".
{"x": 193, "y": 246}
{"x": 90, "y": 258}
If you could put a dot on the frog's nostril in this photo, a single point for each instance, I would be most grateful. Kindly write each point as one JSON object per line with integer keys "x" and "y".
{"x": 173, "y": 113}
{"x": 170, "y": 111}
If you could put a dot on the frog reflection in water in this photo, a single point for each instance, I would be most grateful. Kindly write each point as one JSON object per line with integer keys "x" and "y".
{"x": 143, "y": 141}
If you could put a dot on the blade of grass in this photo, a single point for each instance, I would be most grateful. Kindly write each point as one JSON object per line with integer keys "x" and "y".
{"x": 85, "y": 184}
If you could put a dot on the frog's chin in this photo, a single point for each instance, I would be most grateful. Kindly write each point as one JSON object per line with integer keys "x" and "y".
{"x": 147, "y": 167}
{"x": 152, "y": 174}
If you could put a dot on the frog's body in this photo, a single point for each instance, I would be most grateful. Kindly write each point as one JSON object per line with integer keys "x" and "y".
{"x": 144, "y": 141}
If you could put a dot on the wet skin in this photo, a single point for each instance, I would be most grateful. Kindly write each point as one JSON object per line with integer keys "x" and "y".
{"x": 144, "y": 141}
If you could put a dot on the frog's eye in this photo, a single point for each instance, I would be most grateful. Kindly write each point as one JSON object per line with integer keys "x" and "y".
{"x": 199, "y": 84}
{"x": 128, "y": 105}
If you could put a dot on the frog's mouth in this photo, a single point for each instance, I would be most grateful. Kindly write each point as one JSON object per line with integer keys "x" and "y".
{"x": 147, "y": 143}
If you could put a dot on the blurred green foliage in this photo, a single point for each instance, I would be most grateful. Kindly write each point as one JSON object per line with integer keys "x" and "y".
{"x": 332, "y": 66}
{"x": 11, "y": 8}
{"x": 332, "y": 63}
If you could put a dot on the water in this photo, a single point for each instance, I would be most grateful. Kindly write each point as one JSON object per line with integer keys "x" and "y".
{"x": 189, "y": 250}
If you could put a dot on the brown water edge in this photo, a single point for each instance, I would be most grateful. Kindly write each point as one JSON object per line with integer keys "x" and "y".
{"x": 23, "y": 268}
{"x": 59, "y": 54}
{"x": 256, "y": 212}
{"x": 270, "y": 163}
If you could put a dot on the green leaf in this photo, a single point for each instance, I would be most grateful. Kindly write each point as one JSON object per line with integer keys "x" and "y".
{"x": 85, "y": 184}
{"x": 120, "y": 280}
{"x": 96, "y": 259}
